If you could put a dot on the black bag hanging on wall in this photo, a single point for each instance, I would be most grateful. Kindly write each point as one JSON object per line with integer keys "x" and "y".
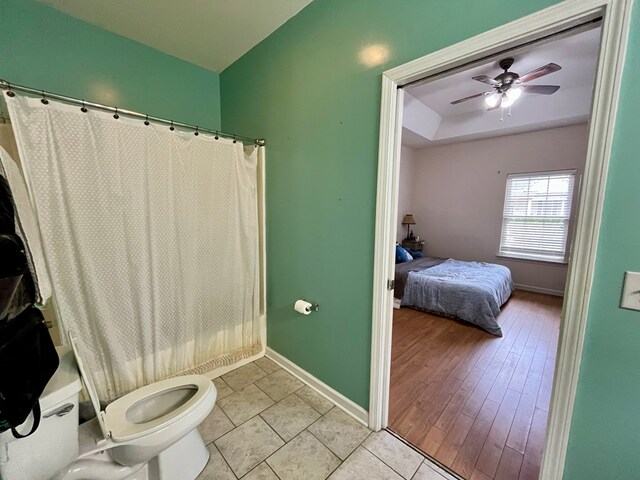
{"x": 28, "y": 360}
{"x": 16, "y": 285}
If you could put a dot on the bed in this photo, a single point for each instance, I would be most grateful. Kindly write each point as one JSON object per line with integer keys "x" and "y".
{"x": 469, "y": 291}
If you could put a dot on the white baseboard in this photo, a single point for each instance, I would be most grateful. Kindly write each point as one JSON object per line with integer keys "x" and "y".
{"x": 342, "y": 402}
{"x": 548, "y": 291}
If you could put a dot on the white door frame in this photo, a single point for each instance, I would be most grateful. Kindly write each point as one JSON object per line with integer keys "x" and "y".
{"x": 615, "y": 26}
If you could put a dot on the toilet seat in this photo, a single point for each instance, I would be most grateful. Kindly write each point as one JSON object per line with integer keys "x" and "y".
{"x": 114, "y": 422}
{"x": 122, "y": 429}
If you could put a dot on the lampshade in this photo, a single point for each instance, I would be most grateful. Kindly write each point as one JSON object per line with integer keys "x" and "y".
{"x": 408, "y": 220}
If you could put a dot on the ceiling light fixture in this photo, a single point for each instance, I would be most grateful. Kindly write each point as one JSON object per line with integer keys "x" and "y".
{"x": 493, "y": 99}
{"x": 503, "y": 100}
{"x": 508, "y": 86}
{"x": 514, "y": 93}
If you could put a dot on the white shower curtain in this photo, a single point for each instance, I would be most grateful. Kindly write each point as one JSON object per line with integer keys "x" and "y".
{"x": 151, "y": 239}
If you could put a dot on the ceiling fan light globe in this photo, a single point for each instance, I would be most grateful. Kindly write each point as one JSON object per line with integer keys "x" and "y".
{"x": 506, "y": 101}
{"x": 514, "y": 93}
{"x": 493, "y": 99}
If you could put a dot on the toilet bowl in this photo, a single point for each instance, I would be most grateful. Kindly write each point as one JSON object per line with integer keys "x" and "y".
{"x": 148, "y": 434}
{"x": 147, "y": 421}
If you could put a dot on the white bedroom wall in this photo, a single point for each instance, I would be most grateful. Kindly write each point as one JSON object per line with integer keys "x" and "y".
{"x": 457, "y": 195}
{"x": 405, "y": 189}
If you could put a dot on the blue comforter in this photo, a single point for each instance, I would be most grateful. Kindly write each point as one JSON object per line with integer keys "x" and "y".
{"x": 470, "y": 291}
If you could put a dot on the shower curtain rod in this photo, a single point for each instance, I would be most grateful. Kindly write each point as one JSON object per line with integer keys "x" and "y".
{"x": 10, "y": 87}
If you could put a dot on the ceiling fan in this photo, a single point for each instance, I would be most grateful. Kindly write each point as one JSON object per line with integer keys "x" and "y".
{"x": 508, "y": 86}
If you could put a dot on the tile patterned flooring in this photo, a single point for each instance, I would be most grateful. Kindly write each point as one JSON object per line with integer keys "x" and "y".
{"x": 267, "y": 425}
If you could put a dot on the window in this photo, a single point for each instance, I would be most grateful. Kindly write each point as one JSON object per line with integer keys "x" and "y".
{"x": 537, "y": 213}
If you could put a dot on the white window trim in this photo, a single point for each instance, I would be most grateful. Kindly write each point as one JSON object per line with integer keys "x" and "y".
{"x": 567, "y": 243}
{"x": 532, "y": 258}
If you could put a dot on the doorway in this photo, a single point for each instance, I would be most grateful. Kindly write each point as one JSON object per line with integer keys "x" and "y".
{"x": 543, "y": 24}
{"x": 489, "y": 197}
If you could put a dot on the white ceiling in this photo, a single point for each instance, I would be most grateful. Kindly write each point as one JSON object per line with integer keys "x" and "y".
{"x": 210, "y": 33}
{"x": 576, "y": 54}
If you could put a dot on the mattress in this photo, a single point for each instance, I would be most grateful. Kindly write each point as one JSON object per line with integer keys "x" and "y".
{"x": 469, "y": 291}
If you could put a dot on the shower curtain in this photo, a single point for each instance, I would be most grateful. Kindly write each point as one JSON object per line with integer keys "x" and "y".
{"x": 150, "y": 237}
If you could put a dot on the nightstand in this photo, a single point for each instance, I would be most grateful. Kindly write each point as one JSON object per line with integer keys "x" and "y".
{"x": 415, "y": 245}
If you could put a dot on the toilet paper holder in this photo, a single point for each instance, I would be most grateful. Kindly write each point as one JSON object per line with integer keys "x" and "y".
{"x": 315, "y": 307}
{"x": 307, "y": 307}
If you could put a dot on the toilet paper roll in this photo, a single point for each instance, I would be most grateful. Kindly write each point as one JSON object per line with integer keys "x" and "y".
{"x": 302, "y": 307}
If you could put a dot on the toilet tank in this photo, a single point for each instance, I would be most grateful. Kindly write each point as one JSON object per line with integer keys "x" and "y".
{"x": 55, "y": 443}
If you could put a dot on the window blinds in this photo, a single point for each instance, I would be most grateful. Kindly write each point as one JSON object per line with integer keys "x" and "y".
{"x": 537, "y": 211}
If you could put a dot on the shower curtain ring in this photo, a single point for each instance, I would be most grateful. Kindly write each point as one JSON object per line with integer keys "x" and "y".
{"x": 115, "y": 115}
{"x": 83, "y": 109}
{"x": 171, "y": 127}
{"x": 146, "y": 119}
{"x": 196, "y": 132}
{"x": 10, "y": 93}
{"x": 44, "y": 99}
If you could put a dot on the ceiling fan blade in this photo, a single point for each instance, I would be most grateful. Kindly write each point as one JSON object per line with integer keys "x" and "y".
{"x": 541, "y": 89}
{"x": 460, "y": 100}
{"x": 486, "y": 79}
{"x": 540, "y": 72}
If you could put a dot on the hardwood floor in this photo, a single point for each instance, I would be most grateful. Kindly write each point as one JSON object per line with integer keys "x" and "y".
{"x": 476, "y": 403}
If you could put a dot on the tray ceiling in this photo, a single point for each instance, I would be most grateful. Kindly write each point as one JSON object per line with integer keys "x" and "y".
{"x": 430, "y": 119}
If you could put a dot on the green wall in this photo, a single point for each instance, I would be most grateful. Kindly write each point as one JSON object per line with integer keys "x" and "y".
{"x": 605, "y": 432}
{"x": 304, "y": 89}
{"x": 43, "y": 48}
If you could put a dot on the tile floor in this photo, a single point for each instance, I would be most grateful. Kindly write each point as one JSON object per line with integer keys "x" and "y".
{"x": 267, "y": 425}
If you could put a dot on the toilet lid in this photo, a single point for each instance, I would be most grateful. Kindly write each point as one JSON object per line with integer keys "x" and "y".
{"x": 88, "y": 383}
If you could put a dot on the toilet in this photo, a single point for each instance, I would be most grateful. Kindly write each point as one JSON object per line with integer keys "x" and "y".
{"x": 148, "y": 434}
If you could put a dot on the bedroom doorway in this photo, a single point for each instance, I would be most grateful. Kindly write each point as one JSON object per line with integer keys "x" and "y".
{"x": 487, "y": 199}
{"x": 469, "y": 164}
